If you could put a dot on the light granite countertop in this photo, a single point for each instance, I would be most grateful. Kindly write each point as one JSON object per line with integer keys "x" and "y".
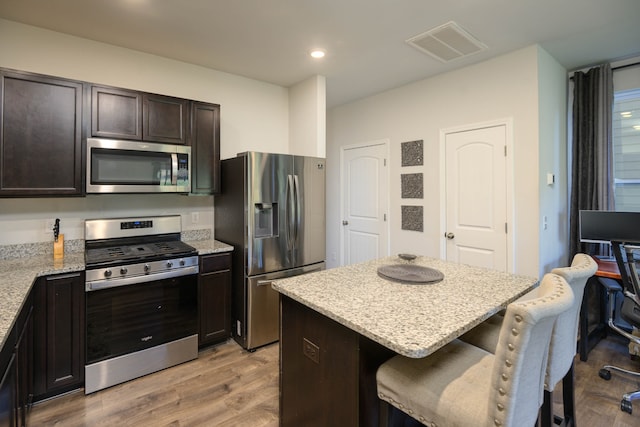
{"x": 411, "y": 319}
{"x": 207, "y": 247}
{"x": 17, "y": 275}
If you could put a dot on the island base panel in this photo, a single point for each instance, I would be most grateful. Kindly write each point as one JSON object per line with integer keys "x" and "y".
{"x": 327, "y": 371}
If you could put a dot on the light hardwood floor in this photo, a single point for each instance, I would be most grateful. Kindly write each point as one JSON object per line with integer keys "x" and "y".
{"x": 227, "y": 386}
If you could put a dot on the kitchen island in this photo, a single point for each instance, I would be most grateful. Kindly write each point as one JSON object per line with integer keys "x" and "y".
{"x": 337, "y": 326}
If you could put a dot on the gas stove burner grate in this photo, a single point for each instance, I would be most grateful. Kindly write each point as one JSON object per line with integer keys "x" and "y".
{"x": 137, "y": 252}
{"x": 114, "y": 252}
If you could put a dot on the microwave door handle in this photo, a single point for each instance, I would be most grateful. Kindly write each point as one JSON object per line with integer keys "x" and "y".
{"x": 174, "y": 168}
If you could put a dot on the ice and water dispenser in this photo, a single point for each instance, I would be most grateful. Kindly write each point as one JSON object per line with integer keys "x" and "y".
{"x": 265, "y": 220}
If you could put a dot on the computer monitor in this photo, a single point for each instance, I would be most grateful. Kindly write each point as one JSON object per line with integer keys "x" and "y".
{"x": 609, "y": 226}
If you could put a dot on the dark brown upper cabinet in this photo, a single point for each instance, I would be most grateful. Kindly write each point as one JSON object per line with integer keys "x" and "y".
{"x": 116, "y": 113}
{"x": 41, "y": 138}
{"x": 127, "y": 114}
{"x": 205, "y": 148}
{"x": 164, "y": 119}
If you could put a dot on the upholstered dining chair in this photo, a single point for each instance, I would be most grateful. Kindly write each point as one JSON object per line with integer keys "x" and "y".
{"x": 464, "y": 385}
{"x": 562, "y": 349}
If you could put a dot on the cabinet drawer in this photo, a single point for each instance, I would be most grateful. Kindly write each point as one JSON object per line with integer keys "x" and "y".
{"x": 218, "y": 262}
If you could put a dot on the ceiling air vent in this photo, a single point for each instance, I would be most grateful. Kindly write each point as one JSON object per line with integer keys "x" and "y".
{"x": 447, "y": 42}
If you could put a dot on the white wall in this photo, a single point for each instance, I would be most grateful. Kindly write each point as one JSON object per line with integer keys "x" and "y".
{"x": 554, "y": 198}
{"x": 254, "y": 116}
{"x": 307, "y": 117}
{"x": 501, "y": 88}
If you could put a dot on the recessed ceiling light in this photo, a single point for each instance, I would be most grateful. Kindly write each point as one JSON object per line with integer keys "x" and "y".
{"x": 318, "y": 53}
{"x": 637, "y": 127}
{"x": 626, "y": 114}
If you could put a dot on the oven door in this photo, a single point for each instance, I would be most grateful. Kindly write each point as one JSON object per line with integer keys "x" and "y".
{"x": 125, "y": 319}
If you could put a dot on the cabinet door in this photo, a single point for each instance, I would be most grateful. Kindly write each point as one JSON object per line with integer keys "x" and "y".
{"x": 24, "y": 368}
{"x": 40, "y": 142}
{"x": 205, "y": 148}
{"x": 164, "y": 119}
{"x": 59, "y": 334}
{"x": 214, "y": 299}
{"x": 116, "y": 113}
{"x": 8, "y": 402}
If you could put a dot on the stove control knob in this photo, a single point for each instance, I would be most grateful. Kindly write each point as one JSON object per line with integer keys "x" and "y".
{"x": 107, "y": 273}
{"x": 146, "y": 268}
{"x": 182, "y": 263}
{"x": 169, "y": 264}
{"x": 123, "y": 270}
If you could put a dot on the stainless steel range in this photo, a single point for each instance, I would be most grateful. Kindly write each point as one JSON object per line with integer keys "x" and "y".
{"x": 141, "y": 298}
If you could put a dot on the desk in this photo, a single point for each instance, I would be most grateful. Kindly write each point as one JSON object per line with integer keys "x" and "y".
{"x": 594, "y": 299}
{"x": 337, "y": 326}
{"x": 607, "y": 268}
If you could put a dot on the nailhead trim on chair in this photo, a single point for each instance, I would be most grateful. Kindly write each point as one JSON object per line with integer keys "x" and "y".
{"x": 400, "y": 406}
{"x": 514, "y": 332}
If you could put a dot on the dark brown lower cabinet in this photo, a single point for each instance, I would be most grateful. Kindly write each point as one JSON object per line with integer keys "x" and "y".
{"x": 8, "y": 400}
{"x": 327, "y": 371}
{"x": 214, "y": 298}
{"x": 24, "y": 368}
{"x": 59, "y": 312}
{"x": 16, "y": 369}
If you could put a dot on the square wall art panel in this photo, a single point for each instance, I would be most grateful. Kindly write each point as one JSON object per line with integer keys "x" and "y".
{"x": 412, "y": 187}
{"x": 412, "y": 218}
{"x": 412, "y": 153}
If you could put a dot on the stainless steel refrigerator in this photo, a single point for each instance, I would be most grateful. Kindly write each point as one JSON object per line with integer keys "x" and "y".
{"x": 272, "y": 210}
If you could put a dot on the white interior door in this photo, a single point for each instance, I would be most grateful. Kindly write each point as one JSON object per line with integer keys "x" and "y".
{"x": 365, "y": 187}
{"x": 476, "y": 197}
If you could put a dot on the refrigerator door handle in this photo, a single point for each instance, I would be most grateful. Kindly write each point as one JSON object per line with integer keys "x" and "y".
{"x": 297, "y": 223}
{"x": 290, "y": 211}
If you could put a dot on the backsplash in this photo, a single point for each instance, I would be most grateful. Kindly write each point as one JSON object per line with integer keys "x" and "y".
{"x": 23, "y": 250}
{"x": 25, "y": 221}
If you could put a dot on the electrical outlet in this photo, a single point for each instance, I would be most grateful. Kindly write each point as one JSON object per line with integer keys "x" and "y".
{"x": 195, "y": 217}
{"x": 48, "y": 226}
{"x": 311, "y": 350}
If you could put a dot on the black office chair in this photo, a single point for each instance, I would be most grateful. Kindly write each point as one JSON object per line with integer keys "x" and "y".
{"x": 629, "y": 311}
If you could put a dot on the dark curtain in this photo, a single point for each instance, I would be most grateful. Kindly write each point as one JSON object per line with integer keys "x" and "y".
{"x": 592, "y": 168}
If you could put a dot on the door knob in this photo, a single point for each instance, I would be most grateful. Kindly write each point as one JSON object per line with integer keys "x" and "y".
{"x": 449, "y": 235}
{"x": 345, "y": 222}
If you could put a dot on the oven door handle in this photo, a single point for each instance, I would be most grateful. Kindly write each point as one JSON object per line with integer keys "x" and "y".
{"x": 113, "y": 283}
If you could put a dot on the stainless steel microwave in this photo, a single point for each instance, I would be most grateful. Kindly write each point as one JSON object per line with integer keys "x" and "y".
{"x": 119, "y": 166}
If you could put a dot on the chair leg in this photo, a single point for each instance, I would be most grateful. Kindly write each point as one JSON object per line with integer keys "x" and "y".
{"x": 568, "y": 398}
{"x": 625, "y": 403}
{"x": 546, "y": 411}
{"x": 383, "y": 420}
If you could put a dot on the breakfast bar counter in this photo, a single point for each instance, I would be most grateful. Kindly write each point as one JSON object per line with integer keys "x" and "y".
{"x": 337, "y": 326}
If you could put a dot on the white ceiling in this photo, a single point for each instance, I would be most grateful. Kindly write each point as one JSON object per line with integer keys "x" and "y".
{"x": 269, "y": 40}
